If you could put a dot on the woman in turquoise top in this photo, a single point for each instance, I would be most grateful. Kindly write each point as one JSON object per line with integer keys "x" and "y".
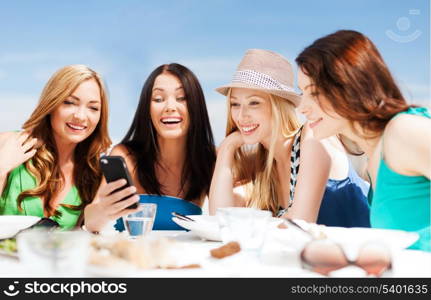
{"x": 169, "y": 150}
{"x": 348, "y": 90}
{"x": 51, "y": 168}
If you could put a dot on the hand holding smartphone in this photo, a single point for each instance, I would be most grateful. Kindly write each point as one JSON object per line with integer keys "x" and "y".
{"x": 115, "y": 168}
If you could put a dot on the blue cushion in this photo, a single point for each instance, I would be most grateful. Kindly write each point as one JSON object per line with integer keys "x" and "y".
{"x": 165, "y": 206}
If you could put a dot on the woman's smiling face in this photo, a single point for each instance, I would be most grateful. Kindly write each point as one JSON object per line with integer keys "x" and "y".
{"x": 250, "y": 110}
{"x": 168, "y": 109}
{"x": 324, "y": 123}
{"x": 76, "y": 118}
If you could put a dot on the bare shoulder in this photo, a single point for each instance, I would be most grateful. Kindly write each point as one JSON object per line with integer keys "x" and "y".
{"x": 408, "y": 130}
{"x": 123, "y": 151}
{"x": 406, "y": 144}
{"x": 407, "y": 121}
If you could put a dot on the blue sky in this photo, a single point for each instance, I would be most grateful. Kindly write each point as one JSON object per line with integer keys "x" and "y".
{"x": 126, "y": 40}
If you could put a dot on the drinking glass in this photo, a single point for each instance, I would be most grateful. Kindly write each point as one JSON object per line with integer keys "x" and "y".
{"x": 141, "y": 222}
{"x": 54, "y": 253}
{"x": 247, "y": 226}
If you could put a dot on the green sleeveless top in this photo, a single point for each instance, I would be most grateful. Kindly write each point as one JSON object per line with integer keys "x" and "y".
{"x": 402, "y": 202}
{"x": 20, "y": 180}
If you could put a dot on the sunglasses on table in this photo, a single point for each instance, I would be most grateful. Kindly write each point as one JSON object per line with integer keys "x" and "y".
{"x": 46, "y": 223}
{"x": 324, "y": 256}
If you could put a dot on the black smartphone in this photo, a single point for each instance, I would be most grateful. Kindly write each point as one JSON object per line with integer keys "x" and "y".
{"x": 114, "y": 168}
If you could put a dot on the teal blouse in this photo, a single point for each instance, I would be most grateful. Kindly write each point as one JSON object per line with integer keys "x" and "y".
{"x": 402, "y": 202}
{"x": 20, "y": 180}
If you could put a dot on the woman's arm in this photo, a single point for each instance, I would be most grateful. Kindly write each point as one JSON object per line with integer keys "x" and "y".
{"x": 313, "y": 174}
{"x": 15, "y": 149}
{"x": 222, "y": 184}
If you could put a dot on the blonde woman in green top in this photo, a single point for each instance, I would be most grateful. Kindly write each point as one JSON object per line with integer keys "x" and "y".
{"x": 51, "y": 168}
{"x": 348, "y": 90}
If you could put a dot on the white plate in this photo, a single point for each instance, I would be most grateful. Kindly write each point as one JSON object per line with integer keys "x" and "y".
{"x": 395, "y": 239}
{"x": 10, "y": 225}
{"x": 207, "y": 228}
{"x": 347, "y": 237}
{"x": 204, "y": 226}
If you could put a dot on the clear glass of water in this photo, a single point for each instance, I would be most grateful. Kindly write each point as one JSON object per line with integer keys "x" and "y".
{"x": 247, "y": 226}
{"x": 54, "y": 253}
{"x": 141, "y": 222}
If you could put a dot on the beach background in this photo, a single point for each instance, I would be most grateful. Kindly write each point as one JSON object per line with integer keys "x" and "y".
{"x": 126, "y": 40}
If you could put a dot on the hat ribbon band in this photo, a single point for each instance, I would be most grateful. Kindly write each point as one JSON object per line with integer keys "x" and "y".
{"x": 259, "y": 79}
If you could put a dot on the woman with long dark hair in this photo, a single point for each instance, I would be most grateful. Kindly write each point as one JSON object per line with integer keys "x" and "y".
{"x": 348, "y": 90}
{"x": 169, "y": 147}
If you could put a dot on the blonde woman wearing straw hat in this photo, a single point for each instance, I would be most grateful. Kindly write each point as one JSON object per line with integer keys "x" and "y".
{"x": 269, "y": 161}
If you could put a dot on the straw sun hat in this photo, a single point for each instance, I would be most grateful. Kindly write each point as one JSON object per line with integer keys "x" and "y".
{"x": 266, "y": 71}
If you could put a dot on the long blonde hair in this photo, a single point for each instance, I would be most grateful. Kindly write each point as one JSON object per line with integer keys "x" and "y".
{"x": 254, "y": 167}
{"x": 44, "y": 164}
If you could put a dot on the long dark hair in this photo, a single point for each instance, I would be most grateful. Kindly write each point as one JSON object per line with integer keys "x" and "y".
{"x": 141, "y": 139}
{"x": 349, "y": 71}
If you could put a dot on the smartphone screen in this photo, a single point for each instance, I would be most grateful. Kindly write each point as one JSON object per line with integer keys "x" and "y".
{"x": 115, "y": 168}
